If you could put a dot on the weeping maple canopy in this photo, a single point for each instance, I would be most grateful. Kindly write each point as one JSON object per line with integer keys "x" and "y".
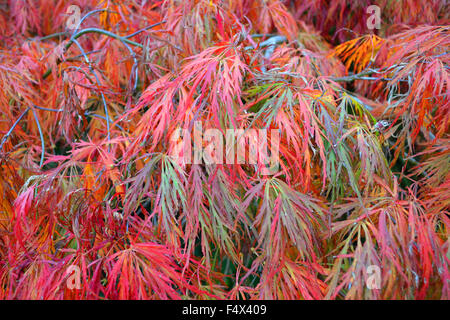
{"x": 88, "y": 181}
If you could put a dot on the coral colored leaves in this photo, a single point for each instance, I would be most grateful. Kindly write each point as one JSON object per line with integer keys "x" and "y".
{"x": 134, "y": 140}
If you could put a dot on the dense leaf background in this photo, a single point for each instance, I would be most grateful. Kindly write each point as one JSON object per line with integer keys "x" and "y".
{"x": 87, "y": 180}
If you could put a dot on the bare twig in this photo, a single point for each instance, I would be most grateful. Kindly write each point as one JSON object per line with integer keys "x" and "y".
{"x": 144, "y": 29}
{"x": 98, "y": 83}
{"x": 5, "y": 137}
{"x": 42, "y": 138}
{"x": 358, "y": 76}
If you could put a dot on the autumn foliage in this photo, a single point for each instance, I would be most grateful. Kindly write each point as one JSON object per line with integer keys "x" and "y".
{"x": 87, "y": 179}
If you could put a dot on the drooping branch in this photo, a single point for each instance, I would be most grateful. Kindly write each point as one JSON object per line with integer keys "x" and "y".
{"x": 124, "y": 40}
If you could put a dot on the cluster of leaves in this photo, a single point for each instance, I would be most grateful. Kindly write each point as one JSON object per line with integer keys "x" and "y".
{"x": 87, "y": 178}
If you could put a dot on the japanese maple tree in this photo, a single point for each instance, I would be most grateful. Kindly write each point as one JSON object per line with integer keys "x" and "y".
{"x": 359, "y": 205}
